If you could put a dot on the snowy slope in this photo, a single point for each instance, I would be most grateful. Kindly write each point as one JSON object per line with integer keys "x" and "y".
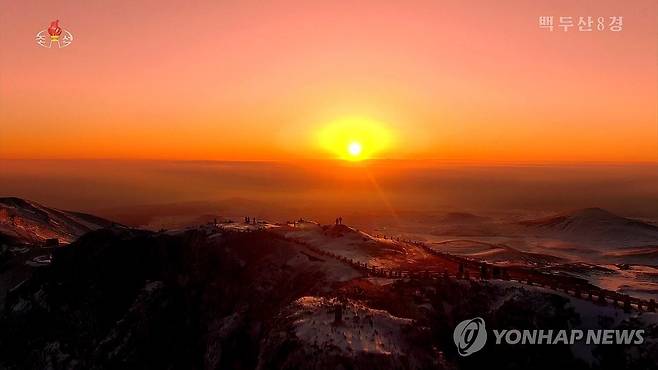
{"x": 358, "y": 245}
{"x": 26, "y": 222}
{"x": 361, "y": 329}
{"x": 594, "y": 225}
{"x": 500, "y": 254}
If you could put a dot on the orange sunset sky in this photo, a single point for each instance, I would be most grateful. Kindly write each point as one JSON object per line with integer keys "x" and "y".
{"x": 248, "y": 80}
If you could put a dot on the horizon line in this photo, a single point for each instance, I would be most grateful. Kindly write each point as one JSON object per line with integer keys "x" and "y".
{"x": 340, "y": 161}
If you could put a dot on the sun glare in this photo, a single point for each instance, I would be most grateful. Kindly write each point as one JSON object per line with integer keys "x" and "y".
{"x": 355, "y": 139}
{"x": 354, "y": 148}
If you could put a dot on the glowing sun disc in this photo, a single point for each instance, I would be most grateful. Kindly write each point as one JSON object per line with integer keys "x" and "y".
{"x": 354, "y": 148}
{"x": 355, "y": 138}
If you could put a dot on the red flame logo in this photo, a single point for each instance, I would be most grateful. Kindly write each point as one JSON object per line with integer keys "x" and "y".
{"x": 54, "y": 29}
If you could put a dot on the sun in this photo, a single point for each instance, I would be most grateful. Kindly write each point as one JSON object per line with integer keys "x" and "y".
{"x": 354, "y": 148}
{"x": 355, "y": 138}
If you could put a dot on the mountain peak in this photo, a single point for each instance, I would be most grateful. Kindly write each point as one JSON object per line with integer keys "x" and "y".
{"x": 27, "y": 222}
{"x": 15, "y": 202}
{"x": 592, "y": 212}
{"x": 595, "y": 224}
